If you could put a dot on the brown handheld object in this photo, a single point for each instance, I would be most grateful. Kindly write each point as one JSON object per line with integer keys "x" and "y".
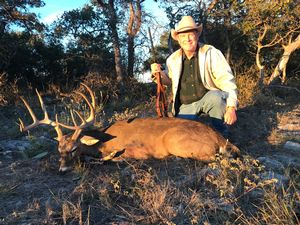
{"x": 161, "y": 99}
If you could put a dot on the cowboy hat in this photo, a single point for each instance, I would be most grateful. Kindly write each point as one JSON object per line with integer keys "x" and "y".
{"x": 186, "y": 23}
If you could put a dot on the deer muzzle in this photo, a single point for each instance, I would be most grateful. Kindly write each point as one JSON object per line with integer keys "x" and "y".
{"x": 64, "y": 167}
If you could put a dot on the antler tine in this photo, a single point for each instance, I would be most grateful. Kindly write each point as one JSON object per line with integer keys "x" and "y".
{"x": 58, "y": 130}
{"x": 46, "y": 117}
{"x": 83, "y": 122}
{"x": 36, "y": 122}
{"x": 75, "y": 127}
{"x": 91, "y": 119}
{"x": 91, "y": 94}
{"x": 73, "y": 118}
{"x": 22, "y": 127}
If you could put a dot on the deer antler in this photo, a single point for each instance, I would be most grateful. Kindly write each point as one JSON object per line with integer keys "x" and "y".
{"x": 85, "y": 123}
{"x": 37, "y": 122}
{"x": 90, "y": 120}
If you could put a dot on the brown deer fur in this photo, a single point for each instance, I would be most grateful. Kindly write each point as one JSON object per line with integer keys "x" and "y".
{"x": 140, "y": 138}
{"x": 146, "y": 138}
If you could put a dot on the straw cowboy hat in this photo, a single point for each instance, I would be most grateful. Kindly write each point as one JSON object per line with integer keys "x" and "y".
{"x": 185, "y": 24}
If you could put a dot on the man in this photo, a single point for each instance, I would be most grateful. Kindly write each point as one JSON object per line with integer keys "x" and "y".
{"x": 201, "y": 78}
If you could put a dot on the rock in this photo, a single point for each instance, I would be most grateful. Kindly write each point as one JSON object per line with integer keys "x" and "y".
{"x": 19, "y": 204}
{"x": 281, "y": 180}
{"x": 290, "y": 145}
{"x": 271, "y": 164}
{"x": 41, "y": 155}
{"x": 25, "y": 148}
{"x": 12, "y": 145}
{"x": 289, "y": 160}
{"x": 21, "y": 148}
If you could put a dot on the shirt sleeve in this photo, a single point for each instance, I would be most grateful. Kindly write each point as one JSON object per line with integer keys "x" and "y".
{"x": 222, "y": 76}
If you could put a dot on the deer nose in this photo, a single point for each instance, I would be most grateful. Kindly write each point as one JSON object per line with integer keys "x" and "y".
{"x": 63, "y": 165}
{"x": 63, "y": 169}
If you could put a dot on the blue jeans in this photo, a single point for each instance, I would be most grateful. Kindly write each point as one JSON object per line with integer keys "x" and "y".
{"x": 213, "y": 103}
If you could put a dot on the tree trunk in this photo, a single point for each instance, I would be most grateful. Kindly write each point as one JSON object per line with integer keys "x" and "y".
{"x": 228, "y": 45}
{"x": 110, "y": 12}
{"x": 133, "y": 27}
{"x": 227, "y": 24}
{"x": 206, "y": 13}
{"x": 117, "y": 51}
{"x": 260, "y": 46}
{"x": 260, "y": 67}
{"x": 131, "y": 59}
{"x": 281, "y": 66}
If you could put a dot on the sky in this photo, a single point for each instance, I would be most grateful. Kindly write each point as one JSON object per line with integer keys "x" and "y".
{"x": 55, "y": 8}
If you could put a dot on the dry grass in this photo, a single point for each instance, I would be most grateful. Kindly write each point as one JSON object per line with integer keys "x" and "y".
{"x": 8, "y": 91}
{"x": 224, "y": 192}
{"x": 171, "y": 191}
{"x": 247, "y": 83}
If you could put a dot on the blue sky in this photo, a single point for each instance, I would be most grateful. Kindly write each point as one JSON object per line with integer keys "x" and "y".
{"x": 54, "y": 8}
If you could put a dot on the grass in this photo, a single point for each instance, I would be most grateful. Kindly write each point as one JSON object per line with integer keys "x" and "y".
{"x": 223, "y": 192}
{"x": 171, "y": 191}
{"x": 7, "y": 190}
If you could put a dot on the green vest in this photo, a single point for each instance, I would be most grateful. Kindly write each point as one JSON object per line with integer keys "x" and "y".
{"x": 191, "y": 87}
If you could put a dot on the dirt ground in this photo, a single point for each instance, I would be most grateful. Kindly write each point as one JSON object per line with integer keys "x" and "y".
{"x": 31, "y": 189}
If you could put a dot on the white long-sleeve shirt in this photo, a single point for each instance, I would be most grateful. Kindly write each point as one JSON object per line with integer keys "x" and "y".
{"x": 215, "y": 73}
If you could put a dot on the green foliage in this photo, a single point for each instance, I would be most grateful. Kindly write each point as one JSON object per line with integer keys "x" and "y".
{"x": 80, "y": 42}
{"x": 33, "y": 60}
{"x": 88, "y": 46}
{"x": 14, "y": 12}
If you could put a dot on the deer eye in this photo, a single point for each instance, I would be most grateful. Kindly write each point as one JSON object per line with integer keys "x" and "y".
{"x": 74, "y": 149}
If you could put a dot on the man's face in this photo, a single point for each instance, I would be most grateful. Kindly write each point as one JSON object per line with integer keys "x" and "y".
{"x": 188, "y": 40}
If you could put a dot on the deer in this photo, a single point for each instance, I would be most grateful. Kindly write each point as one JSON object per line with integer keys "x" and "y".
{"x": 136, "y": 138}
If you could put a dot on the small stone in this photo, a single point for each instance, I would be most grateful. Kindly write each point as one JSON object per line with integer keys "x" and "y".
{"x": 272, "y": 164}
{"x": 19, "y": 204}
{"x": 281, "y": 179}
{"x": 290, "y": 145}
{"x": 21, "y": 148}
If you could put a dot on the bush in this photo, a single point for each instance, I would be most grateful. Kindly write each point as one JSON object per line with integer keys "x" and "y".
{"x": 8, "y": 91}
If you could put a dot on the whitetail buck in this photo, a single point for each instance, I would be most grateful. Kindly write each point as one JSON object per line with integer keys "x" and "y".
{"x": 140, "y": 138}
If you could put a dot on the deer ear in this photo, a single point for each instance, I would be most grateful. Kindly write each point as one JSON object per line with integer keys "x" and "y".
{"x": 88, "y": 140}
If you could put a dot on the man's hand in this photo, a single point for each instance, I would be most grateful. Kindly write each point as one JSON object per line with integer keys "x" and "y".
{"x": 155, "y": 68}
{"x": 230, "y": 115}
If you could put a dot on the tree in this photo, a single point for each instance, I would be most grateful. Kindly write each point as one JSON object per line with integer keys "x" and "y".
{"x": 110, "y": 13}
{"x": 35, "y": 62}
{"x": 292, "y": 46}
{"x": 15, "y": 12}
{"x": 133, "y": 27}
{"x": 274, "y": 23}
{"x": 225, "y": 15}
{"x": 88, "y": 46}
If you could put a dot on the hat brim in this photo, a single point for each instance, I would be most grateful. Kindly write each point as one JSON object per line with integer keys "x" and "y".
{"x": 174, "y": 33}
